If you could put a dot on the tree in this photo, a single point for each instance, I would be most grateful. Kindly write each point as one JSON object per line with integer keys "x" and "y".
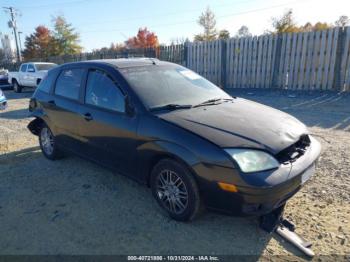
{"x": 308, "y": 27}
{"x": 208, "y": 22}
{"x": 116, "y": 47}
{"x": 243, "y": 32}
{"x": 178, "y": 41}
{"x": 285, "y": 24}
{"x": 342, "y": 21}
{"x": 224, "y": 34}
{"x": 321, "y": 26}
{"x": 112, "y": 48}
{"x": 199, "y": 38}
{"x": 66, "y": 40}
{"x": 2, "y": 55}
{"x": 143, "y": 39}
{"x": 38, "y": 44}
{"x": 29, "y": 47}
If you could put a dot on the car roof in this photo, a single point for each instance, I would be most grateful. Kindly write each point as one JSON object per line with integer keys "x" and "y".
{"x": 124, "y": 62}
{"x": 41, "y": 63}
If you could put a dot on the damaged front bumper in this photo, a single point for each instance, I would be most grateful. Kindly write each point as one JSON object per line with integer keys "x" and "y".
{"x": 266, "y": 191}
{"x": 284, "y": 183}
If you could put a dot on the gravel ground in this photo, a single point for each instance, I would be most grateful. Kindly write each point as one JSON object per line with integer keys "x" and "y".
{"x": 72, "y": 206}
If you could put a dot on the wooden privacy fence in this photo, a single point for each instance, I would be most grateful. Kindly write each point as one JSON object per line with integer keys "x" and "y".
{"x": 311, "y": 60}
{"x": 205, "y": 58}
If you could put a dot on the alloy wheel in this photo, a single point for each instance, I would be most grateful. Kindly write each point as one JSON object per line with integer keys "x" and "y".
{"x": 47, "y": 141}
{"x": 172, "y": 191}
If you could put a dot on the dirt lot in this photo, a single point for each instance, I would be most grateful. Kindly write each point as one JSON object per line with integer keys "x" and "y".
{"x": 72, "y": 206}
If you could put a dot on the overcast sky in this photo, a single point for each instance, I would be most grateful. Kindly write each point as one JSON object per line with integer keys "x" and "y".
{"x": 101, "y": 22}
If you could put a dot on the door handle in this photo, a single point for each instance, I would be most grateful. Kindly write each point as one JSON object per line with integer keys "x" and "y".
{"x": 88, "y": 117}
{"x": 51, "y": 102}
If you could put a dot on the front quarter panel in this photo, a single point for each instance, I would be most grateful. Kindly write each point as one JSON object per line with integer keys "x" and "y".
{"x": 159, "y": 139}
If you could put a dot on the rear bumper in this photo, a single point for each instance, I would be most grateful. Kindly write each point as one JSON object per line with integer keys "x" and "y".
{"x": 278, "y": 186}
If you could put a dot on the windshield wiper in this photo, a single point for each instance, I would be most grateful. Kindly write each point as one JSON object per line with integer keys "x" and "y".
{"x": 213, "y": 101}
{"x": 170, "y": 107}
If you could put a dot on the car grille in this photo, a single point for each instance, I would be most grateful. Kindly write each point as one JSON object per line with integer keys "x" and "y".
{"x": 293, "y": 152}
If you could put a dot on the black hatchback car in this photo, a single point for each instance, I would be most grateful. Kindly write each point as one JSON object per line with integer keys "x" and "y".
{"x": 167, "y": 127}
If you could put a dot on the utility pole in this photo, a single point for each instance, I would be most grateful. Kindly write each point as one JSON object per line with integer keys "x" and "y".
{"x": 20, "y": 41}
{"x": 14, "y": 27}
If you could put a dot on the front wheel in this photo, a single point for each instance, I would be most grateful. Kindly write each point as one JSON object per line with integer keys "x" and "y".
{"x": 48, "y": 144}
{"x": 16, "y": 87}
{"x": 175, "y": 190}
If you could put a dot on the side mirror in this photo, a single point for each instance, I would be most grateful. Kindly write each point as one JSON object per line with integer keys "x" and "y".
{"x": 129, "y": 107}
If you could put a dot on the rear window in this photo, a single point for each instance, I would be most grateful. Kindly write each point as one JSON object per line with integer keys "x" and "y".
{"x": 69, "y": 82}
{"x": 40, "y": 67}
{"x": 31, "y": 68}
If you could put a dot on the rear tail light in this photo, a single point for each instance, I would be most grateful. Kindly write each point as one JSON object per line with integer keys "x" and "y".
{"x": 32, "y": 104}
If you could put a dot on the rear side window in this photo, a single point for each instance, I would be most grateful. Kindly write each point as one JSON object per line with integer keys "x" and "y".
{"x": 31, "y": 68}
{"x": 46, "y": 83}
{"x": 24, "y": 68}
{"x": 101, "y": 91}
{"x": 68, "y": 83}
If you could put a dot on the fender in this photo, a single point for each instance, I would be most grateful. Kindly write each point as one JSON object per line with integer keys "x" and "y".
{"x": 151, "y": 152}
{"x": 39, "y": 118}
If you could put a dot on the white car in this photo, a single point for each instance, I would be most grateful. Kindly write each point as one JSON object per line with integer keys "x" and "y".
{"x": 29, "y": 75}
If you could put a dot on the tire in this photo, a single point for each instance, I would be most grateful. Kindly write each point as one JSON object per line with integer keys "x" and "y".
{"x": 16, "y": 87}
{"x": 48, "y": 144}
{"x": 168, "y": 196}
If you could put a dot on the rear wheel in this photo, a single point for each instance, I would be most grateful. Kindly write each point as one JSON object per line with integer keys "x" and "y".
{"x": 48, "y": 144}
{"x": 16, "y": 87}
{"x": 175, "y": 190}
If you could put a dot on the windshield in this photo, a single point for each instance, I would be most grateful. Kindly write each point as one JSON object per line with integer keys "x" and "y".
{"x": 40, "y": 67}
{"x": 171, "y": 84}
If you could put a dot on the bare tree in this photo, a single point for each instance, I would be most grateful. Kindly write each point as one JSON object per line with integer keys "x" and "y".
{"x": 243, "y": 32}
{"x": 2, "y": 55}
{"x": 342, "y": 21}
{"x": 178, "y": 40}
{"x": 208, "y": 22}
{"x": 285, "y": 24}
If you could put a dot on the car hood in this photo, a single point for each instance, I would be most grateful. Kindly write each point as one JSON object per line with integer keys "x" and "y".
{"x": 241, "y": 123}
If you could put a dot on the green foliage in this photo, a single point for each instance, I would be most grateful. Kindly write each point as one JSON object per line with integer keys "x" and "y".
{"x": 65, "y": 39}
{"x": 285, "y": 24}
{"x": 308, "y": 27}
{"x": 224, "y": 34}
{"x": 43, "y": 43}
